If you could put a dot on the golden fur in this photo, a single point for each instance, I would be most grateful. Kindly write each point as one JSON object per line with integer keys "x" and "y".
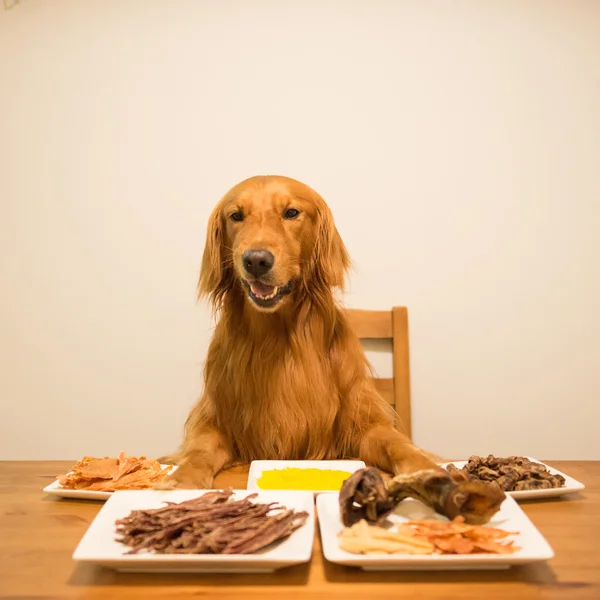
{"x": 289, "y": 381}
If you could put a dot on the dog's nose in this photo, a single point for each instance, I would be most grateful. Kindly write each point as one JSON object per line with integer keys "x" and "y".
{"x": 258, "y": 262}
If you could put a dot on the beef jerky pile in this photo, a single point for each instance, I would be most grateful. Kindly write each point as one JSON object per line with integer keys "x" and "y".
{"x": 210, "y": 524}
{"x": 515, "y": 473}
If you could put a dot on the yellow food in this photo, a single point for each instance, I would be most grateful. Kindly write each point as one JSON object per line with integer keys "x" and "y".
{"x": 292, "y": 478}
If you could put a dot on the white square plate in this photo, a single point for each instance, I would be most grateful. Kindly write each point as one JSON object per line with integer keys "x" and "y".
{"x": 98, "y": 545}
{"x": 510, "y": 517}
{"x": 258, "y": 466}
{"x": 55, "y": 489}
{"x": 571, "y": 485}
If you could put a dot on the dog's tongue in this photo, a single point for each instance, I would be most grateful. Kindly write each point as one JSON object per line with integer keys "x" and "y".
{"x": 261, "y": 289}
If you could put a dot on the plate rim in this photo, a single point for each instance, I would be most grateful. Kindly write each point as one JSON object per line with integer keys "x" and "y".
{"x": 574, "y": 487}
{"x": 434, "y": 562}
{"x": 199, "y": 560}
{"x": 55, "y": 489}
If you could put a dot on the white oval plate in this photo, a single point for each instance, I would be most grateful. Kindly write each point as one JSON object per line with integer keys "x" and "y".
{"x": 571, "y": 485}
{"x": 55, "y": 489}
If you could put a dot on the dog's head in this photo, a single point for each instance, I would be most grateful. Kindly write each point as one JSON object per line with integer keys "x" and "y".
{"x": 271, "y": 237}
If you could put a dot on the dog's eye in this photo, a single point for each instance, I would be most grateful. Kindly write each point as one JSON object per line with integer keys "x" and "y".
{"x": 291, "y": 213}
{"x": 238, "y": 216}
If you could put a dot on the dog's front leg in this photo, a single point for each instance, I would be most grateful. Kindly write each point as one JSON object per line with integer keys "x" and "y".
{"x": 201, "y": 457}
{"x": 418, "y": 476}
{"x": 390, "y": 450}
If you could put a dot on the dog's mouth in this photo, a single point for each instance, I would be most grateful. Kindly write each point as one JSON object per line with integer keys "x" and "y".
{"x": 266, "y": 295}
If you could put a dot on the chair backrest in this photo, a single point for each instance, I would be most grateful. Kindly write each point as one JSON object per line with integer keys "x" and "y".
{"x": 389, "y": 324}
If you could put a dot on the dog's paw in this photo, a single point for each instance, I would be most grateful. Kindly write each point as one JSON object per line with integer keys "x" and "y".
{"x": 166, "y": 484}
{"x": 165, "y": 460}
{"x": 186, "y": 478}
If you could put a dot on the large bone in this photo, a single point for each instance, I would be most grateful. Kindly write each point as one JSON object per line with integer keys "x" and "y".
{"x": 364, "y": 495}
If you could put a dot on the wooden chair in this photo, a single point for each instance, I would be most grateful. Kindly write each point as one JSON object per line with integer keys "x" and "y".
{"x": 389, "y": 324}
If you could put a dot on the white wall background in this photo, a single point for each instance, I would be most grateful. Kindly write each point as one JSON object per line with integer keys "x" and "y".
{"x": 458, "y": 144}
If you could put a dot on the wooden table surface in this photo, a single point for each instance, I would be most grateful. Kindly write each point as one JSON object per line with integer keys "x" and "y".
{"x": 38, "y": 535}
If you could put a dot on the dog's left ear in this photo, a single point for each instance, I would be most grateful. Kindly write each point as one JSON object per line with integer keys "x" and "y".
{"x": 216, "y": 272}
{"x": 331, "y": 258}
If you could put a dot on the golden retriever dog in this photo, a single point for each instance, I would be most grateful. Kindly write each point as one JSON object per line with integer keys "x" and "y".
{"x": 285, "y": 377}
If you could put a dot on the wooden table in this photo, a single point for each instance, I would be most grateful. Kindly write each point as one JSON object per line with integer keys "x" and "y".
{"x": 38, "y": 535}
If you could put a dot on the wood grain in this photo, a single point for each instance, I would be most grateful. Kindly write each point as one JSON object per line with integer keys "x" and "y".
{"x": 386, "y": 388}
{"x": 402, "y": 367}
{"x": 370, "y": 324}
{"x": 389, "y": 324}
{"x": 38, "y": 535}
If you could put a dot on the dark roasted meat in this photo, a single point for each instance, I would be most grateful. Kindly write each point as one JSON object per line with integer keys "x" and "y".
{"x": 533, "y": 484}
{"x": 487, "y": 474}
{"x": 514, "y": 473}
{"x": 506, "y": 483}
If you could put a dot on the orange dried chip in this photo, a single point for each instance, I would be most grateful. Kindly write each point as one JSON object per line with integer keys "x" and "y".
{"x": 110, "y": 474}
{"x": 456, "y": 537}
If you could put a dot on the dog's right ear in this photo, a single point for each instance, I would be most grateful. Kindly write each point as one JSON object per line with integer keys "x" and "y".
{"x": 216, "y": 272}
